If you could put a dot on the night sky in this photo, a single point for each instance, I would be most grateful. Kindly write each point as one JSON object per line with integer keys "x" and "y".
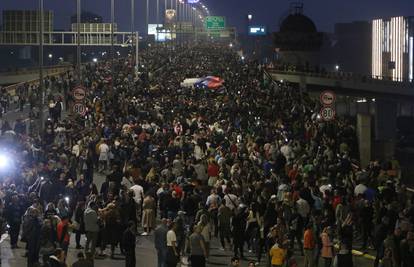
{"x": 266, "y": 12}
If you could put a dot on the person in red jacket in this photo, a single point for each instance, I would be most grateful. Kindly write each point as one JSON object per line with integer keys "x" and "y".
{"x": 213, "y": 171}
{"x": 308, "y": 246}
{"x": 63, "y": 235}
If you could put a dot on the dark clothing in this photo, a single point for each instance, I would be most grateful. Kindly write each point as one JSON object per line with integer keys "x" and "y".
{"x": 83, "y": 263}
{"x": 128, "y": 243}
{"x": 198, "y": 260}
{"x": 54, "y": 262}
{"x": 33, "y": 241}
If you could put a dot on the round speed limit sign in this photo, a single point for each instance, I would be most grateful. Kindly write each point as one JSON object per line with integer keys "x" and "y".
{"x": 80, "y": 109}
{"x": 327, "y": 113}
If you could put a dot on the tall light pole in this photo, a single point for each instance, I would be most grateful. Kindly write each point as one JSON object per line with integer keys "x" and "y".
{"x": 132, "y": 27}
{"x": 158, "y": 12}
{"x": 79, "y": 59}
{"x": 147, "y": 16}
{"x": 112, "y": 42}
{"x": 41, "y": 84}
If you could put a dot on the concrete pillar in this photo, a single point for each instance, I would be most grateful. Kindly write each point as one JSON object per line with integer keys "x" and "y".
{"x": 302, "y": 83}
{"x": 385, "y": 128}
{"x": 364, "y": 138}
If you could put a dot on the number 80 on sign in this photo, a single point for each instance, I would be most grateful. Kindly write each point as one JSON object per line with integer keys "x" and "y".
{"x": 80, "y": 109}
{"x": 327, "y": 113}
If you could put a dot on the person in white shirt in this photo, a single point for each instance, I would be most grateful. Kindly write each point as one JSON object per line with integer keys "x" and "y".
{"x": 103, "y": 155}
{"x": 138, "y": 197}
{"x": 172, "y": 252}
{"x": 232, "y": 201}
{"x": 303, "y": 207}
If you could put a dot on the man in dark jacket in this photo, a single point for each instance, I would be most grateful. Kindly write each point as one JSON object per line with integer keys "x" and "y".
{"x": 32, "y": 234}
{"x": 14, "y": 213}
{"x": 160, "y": 241}
{"x": 128, "y": 243}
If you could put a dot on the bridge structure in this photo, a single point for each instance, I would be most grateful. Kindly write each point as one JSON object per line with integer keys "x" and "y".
{"x": 376, "y": 104}
{"x": 66, "y": 38}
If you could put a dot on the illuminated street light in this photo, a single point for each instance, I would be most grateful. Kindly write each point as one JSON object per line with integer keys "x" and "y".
{"x": 95, "y": 60}
{"x": 250, "y": 17}
{"x": 337, "y": 67}
{"x": 50, "y": 56}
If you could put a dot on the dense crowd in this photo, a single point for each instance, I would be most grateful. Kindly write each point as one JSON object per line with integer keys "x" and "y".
{"x": 251, "y": 165}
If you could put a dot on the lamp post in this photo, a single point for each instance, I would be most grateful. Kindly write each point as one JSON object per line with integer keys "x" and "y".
{"x": 147, "y": 16}
{"x": 79, "y": 58}
{"x": 132, "y": 28}
{"x": 41, "y": 84}
{"x": 112, "y": 42}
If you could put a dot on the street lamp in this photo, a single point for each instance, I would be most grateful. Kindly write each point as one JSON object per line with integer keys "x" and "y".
{"x": 50, "y": 56}
{"x": 78, "y": 51}
{"x": 250, "y": 17}
{"x": 41, "y": 85}
{"x": 336, "y": 67}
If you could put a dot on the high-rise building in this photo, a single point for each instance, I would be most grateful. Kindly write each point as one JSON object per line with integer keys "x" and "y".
{"x": 393, "y": 48}
{"x": 87, "y": 17}
{"x": 26, "y": 20}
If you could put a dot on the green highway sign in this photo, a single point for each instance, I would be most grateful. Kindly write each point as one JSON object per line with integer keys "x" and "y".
{"x": 215, "y": 23}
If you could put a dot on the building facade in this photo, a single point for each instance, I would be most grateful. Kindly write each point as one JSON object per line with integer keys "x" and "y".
{"x": 26, "y": 20}
{"x": 393, "y": 49}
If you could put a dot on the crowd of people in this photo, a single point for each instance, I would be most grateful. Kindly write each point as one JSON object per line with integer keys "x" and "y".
{"x": 252, "y": 166}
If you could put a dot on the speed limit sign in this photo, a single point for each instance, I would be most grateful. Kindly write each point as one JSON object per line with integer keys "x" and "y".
{"x": 79, "y": 108}
{"x": 327, "y": 113}
{"x": 327, "y": 98}
{"x": 79, "y": 93}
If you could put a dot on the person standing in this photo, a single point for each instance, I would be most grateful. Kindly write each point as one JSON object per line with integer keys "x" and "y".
{"x": 205, "y": 230}
{"x": 103, "y": 149}
{"x": 160, "y": 241}
{"x": 79, "y": 219}
{"x": 327, "y": 246}
{"x": 138, "y": 197}
{"x": 278, "y": 255}
{"x": 224, "y": 224}
{"x": 148, "y": 214}
{"x": 128, "y": 243}
{"x": 63, "y": 235}
{"x": 91, "y": 221}
{"x": 172, "y": 252}
{"x": 14, "y": 213}
{"x": 33, "y": 237}
{"x": 198, "y": 251}
{"x": 308, "y": 246}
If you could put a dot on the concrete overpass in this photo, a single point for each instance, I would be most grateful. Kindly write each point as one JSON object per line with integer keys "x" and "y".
{"x": 345, "y": 83}
{"x": 30, "y": 74}
{"x": 377, "y": 114}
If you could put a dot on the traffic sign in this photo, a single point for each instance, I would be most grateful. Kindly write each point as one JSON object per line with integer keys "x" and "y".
{"x": 215, "y": 23}
{"x": 79, "y": 108}
{"x": 327, "y": 113}
{"x": 79, "y": 93}
{"x": 327, "y": 98}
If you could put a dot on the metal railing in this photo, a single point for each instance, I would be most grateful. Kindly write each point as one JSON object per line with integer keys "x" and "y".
{"x": 343, "y": 76}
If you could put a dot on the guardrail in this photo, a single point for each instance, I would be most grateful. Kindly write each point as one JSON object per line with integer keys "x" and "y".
{"x": 30, "y": 70}
{"x": 11, "y": 89}
{"x": 345, "y": 76}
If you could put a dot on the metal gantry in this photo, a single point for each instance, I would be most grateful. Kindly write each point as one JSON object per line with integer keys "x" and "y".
{"x": 63, "y": 38}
